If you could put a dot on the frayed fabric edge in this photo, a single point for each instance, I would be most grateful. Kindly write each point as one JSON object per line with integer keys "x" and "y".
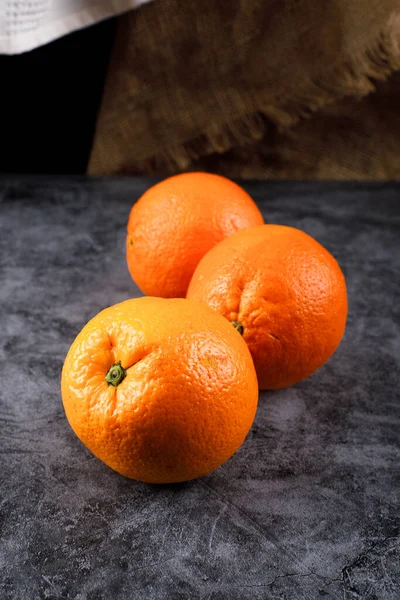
{"x": 353, "y": 78}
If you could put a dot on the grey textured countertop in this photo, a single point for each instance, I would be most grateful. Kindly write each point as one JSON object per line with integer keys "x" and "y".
{"x": 310, "y": 505}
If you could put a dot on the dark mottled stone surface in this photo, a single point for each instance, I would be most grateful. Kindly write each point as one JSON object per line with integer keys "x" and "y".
{"x": 309, "y": 506}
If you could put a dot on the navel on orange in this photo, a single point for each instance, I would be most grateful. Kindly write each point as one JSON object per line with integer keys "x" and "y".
{"x": 160, "y": 390}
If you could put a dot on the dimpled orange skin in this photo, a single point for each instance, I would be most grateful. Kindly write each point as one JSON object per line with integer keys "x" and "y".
{"x": 174, "y": 224}
{"x": 188, "y": 399}
{"x": 286, "y": 290}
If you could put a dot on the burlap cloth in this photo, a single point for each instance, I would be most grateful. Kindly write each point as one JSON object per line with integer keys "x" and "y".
{"x": 254, "y": 88}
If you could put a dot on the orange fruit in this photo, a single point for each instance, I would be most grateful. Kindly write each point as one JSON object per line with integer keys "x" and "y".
{"x": 160, "y": 390}
{"x": 286, "y": 294}
{"x": 174, "y": 224}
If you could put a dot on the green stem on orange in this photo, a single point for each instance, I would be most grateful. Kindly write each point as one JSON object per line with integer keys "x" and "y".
{"x": 116, "y": 374}
{"x": 238, "y": 326}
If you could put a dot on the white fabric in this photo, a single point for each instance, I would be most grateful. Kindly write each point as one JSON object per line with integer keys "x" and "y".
{"x": 27, "y": 24}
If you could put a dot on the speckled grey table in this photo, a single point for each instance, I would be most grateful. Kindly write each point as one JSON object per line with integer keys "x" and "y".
{"x": 310, "y": 505}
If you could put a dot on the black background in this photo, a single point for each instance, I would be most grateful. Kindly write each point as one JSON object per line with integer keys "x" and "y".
{"x": 49, "y": 99}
